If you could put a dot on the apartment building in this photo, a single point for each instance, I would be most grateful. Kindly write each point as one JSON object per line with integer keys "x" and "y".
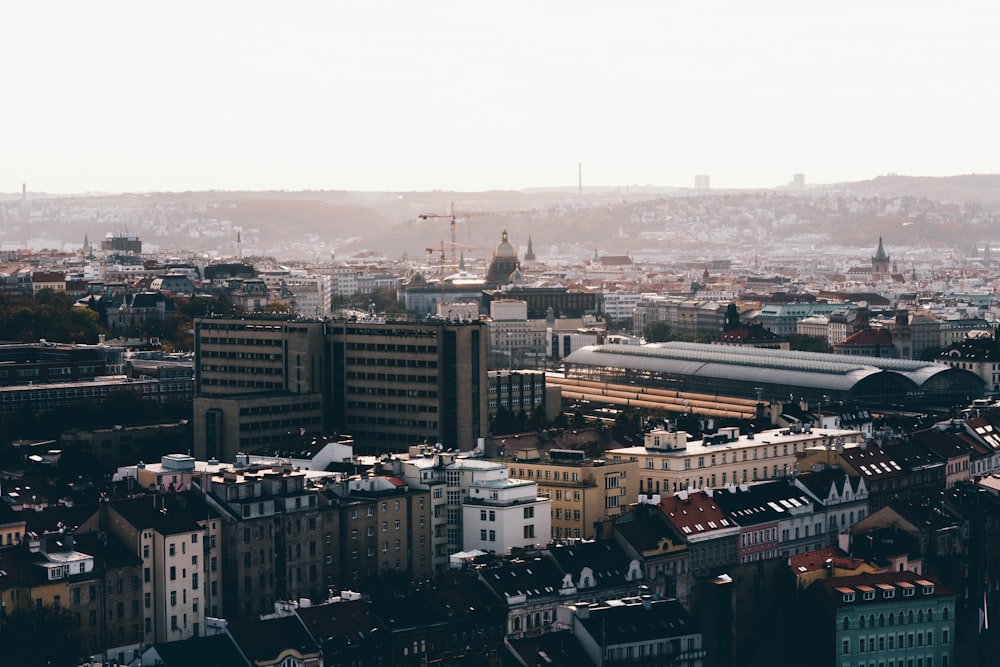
{"x": 273, "y": 531}
{"x": 584, "y": 491}
{"x": 177, "y": 537}
{"x": 670, "y": 461}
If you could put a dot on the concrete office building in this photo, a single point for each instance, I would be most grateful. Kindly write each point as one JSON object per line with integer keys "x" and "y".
{"x": 259, "y": 380}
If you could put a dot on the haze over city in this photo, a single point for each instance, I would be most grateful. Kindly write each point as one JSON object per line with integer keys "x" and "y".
{"x": 391, "y": 95}
{"x": 354, "y": 334}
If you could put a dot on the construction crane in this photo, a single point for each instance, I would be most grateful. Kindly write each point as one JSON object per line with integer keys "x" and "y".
{"x": 464, "y": 214}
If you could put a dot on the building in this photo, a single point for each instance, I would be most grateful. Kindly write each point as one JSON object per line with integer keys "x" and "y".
{"x": 120, "y": 445}
{"x": 488, "y": 499}
{"x": 312, "y": 296}
{"x": 389, "y": 384}
{"x": 746, "y": 372}
{"x": 637, "y": 630}
{"x": 256, "y": 380}
{"x": 43, "y": 363}
{"x": 50, "y": 280}
{"x": 888, "y": 618}
{"x": 670, "y": 462}
{"x": 121, "y": 242}
{"x": 522, "y": 391}
{"x": 273, "y": 532}
{"x": 584, "y": 491}
{"x": 392, "y": 384}
{"x": 178, "y": 537}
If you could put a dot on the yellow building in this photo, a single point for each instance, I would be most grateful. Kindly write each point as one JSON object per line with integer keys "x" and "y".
{"x": 670, "y": 461}
{"x": 584, "y": 491}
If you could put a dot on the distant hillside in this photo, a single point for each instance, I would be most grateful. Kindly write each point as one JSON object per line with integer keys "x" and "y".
{"x": 983, "y": 188}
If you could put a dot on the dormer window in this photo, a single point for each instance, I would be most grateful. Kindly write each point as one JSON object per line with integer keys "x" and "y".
{"x": 869, "y": 595}
{"x": 908, "y": 592}
{"x": 849, "y": 597}
{"x": 928, "y": 590}
{"x": 889, "y": 593}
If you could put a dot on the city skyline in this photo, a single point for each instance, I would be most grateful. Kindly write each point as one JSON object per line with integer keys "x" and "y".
{"x": 422, "y": 96}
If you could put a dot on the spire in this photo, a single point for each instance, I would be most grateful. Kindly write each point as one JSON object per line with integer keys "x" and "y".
{"x": 530, "y": 254}
{"x": 461, "y": 261}
{"x": 880, "y": 253}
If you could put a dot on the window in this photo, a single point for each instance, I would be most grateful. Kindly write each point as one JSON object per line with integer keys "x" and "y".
{"x": 529, "y": 531}
{"x": 529, "y": 513}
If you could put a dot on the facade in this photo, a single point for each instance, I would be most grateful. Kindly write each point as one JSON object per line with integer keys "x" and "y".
{"x": 273, "y": 532}
{"x": 518, "y": 391}
{"x": 256, "y": 380}
{"x": 635, "y": 631}
{"x": 888, "y": 618}
{"x": 389, "y": 384}
{"x": 502, "y": 514}
{"x": 584, "y": 491}
{"x": 178, "y": 539}
{"x": 51, "y": 280}
{"x": 43, "y": 363}
{"x": 669, "y": 462}
{"x": 312, "y": 296}
{"x": 513, "y": 508}
{"x": 118, "y": 445}
{"x": 393, "y": 383}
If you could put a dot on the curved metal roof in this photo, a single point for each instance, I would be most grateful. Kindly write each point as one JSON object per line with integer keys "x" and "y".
{"x": 747, "y": 364}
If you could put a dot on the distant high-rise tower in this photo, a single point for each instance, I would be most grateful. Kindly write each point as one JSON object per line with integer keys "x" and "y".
{"x": 24, "y": 193}
{"x": 798, "y": 181}
{"x": 701, "y": 182}
{"x": 239, "y": 244}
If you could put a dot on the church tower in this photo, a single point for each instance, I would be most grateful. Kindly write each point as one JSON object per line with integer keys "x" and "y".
{"x": 880, "y": 264}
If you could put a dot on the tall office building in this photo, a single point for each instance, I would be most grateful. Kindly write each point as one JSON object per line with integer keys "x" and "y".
{"x": 259, "y": 380}
{"x": 395, "y": 384}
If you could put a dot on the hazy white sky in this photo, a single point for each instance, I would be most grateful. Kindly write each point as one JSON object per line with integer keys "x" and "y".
{"x": 470, "y": 95}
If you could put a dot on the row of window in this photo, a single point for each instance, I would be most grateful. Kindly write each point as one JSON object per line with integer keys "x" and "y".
{"x": 895, "y": 642}
{"x": 897, "y": 619}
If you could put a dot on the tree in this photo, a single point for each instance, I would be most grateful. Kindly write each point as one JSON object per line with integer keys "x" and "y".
{"x": 39, "y": 636}
{"x": 807, "y": 343}
{"x": 656, "y": 332}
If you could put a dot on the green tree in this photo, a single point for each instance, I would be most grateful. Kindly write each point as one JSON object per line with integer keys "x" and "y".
{"x": 807, "y": 343}
{"x": 38, "y": 636}
{"x": 656, "y": 332}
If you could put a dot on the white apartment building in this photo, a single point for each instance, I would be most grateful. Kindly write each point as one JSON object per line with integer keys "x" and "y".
{"x": 619, "y": 306}
{"x": 312, "y": 295}
{"x": 500, "y": 514}
{"x": 461, "y": 489}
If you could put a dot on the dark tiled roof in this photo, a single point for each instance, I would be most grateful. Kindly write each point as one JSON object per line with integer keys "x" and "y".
{"x": 264, "y": 641}
{"x": 214, "y": 651}
{"x": 168, "y": 514}
{"x": 633, "y": 622}
{"x": 535, "y": 578}
{"x": 552, "y": 648}
{"x": 608, "y": 561}
{"x": 761, "y": 503}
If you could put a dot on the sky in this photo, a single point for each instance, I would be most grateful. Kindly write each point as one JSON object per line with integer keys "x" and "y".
{"x": 108, "y": 96}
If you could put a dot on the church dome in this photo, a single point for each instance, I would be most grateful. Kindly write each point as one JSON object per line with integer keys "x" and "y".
{"x": 505, "y": 249}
